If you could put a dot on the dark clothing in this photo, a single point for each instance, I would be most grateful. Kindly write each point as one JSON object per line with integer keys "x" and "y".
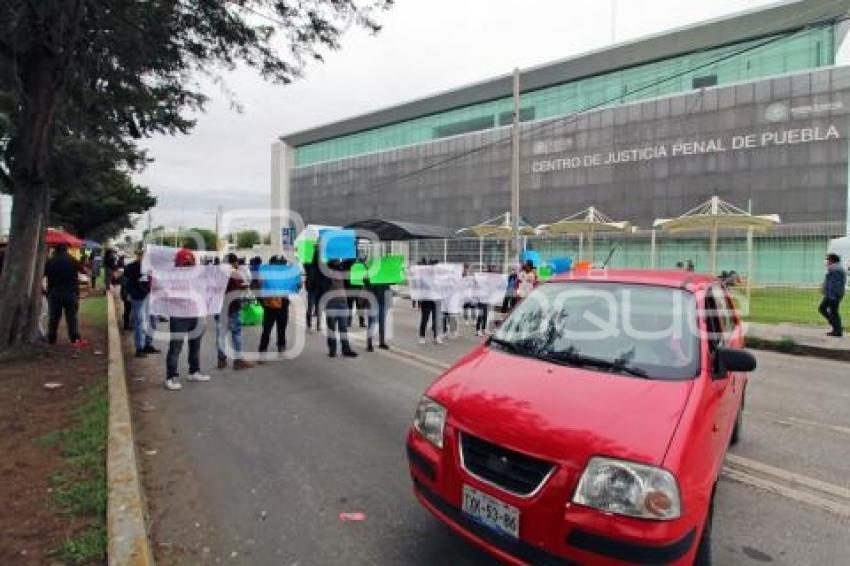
{"x": 133, "y": 284}
{"x": 61, "y": 300}
{"x": 336, "y": 318}
{"x": 128, "y": 309}
{"x": 430, "y": 309}
{"x": 508, "y": 303}
{"x": 830, "y": 310}
{"x": 313, "y": 309}
{"x": 61, "y": 271}
{"x": 834, "y": 282}
{"x": 234, "y": 284}
{"x": 275, "y": 316}
{"x": 481, "y": 321}
{"x": 378, "y": 314}
{"x": 181, "y": 328}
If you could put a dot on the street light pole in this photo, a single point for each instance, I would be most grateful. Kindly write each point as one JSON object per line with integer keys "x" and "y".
{"x": 515, "y": 137}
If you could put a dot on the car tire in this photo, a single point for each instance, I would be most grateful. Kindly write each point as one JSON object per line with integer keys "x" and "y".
{"x": 703, "y": 555}
{"x": 739, "y": 424}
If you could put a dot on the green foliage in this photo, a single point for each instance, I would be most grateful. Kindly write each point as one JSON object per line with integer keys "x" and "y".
{"x": 80, "y": 488}
{"x": 93, "y": 309}
{"x": 193, "y": 238}
{"x": 247, "y": 239}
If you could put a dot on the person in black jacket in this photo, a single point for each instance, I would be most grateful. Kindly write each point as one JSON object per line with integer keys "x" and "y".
{"x": 834, "y": 283}
{"x": 336, "y": 309}
{"x": 62, "y": 271}
{"x": 137, "y": 286}
{"x": 313, "y": 283}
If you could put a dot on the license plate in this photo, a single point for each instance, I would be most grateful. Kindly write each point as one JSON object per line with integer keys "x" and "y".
{"x": 491, "y": 512}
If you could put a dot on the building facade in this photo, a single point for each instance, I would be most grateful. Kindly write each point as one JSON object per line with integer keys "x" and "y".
{"x": 754, "y": 108}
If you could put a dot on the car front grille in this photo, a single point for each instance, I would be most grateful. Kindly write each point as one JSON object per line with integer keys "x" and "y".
{"x": 508, "y": 470}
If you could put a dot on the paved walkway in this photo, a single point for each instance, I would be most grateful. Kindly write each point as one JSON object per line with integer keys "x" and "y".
{"x": 807, "y": 336}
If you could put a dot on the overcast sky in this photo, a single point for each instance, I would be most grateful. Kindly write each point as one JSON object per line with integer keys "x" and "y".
{"x": 426, "y": 46}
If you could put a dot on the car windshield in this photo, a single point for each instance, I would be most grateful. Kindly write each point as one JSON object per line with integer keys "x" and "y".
{"x": 638, "y": 330}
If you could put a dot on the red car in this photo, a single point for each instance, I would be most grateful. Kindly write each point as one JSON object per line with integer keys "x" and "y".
{"x": 591, "y": 428}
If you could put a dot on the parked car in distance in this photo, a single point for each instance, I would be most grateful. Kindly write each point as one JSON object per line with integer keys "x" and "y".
{"x": 591, "y": 428}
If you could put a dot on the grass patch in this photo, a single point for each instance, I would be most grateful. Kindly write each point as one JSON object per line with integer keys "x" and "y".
{"x": 773, "y": 305}
{"x": 80, "y": 489}
{"x": 93, "y": 309}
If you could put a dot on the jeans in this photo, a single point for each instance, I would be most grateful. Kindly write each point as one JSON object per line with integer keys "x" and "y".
{"x": 275, "y": 317}
{"x": 337, "y": 318}
{"x": 829, "y": 309}
{"x": 430, "y": 309}
{"x": 140, "y": 313}
{"x": 378, "y": 315}
{"x": 234, "y": 327}
{"x": 180, "y": 328}
{"x": 59, "y": 301}
{"x": 481, "y": 322}
{"x": 313, "y": 310}
{"x": 450, "y": 323}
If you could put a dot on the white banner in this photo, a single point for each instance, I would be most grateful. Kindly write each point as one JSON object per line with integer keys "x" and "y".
{"x": 422, "y": 283}
{"x": 490, "y": 288}
{"x": 189, "y": 292}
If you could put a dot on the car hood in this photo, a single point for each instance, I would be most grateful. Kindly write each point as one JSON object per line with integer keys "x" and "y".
{"x": 560, "y": 413}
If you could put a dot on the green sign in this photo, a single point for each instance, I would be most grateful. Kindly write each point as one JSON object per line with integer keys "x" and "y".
{"x": 387, "y": 270}
{"x": 358, "y": 274}
{"x": 545, "y": 272}
{"x": 305, "y": 250}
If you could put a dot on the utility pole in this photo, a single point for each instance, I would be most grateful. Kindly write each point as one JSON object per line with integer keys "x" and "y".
{"x": 515, "y": 140}
{"x": 218, "y": 213}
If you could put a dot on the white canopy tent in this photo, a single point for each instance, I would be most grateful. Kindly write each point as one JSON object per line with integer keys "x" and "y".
{"x": 713, "y": 215}
{"x": 500, "y": 227}
{"x": 588, "y": 221}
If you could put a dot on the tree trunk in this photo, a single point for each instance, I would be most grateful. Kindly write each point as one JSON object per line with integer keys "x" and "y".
{"x": 20, "y": 282}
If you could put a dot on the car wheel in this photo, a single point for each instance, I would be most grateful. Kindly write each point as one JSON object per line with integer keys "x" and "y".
{"x": 739, "y": 424}
{"x": 703, "y": 556}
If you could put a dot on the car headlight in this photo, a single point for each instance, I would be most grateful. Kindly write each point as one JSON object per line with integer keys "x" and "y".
{"x": 430, "y": 421}
{"x": 628, "y": 488}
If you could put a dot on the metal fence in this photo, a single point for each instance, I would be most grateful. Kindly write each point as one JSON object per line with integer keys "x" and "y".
{"x": 785, "y": 268}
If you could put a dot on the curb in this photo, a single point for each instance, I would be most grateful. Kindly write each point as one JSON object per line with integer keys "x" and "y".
{"x": 127, "y": 542}
{"x": 793, "y": 348}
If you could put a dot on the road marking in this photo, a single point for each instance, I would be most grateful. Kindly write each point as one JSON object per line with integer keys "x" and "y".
{"x": 795, "y": 421}
{"x": 796, "y": 487}
{"x": 816, "y": 493}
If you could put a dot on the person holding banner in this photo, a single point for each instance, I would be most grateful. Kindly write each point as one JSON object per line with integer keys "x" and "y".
{"x": 526, "y": 281}
{"x": 379, "y": 293}
{"x": 184, "y": 327}
{"x": 231, "y": 321}
{"x": 275, "y": 308}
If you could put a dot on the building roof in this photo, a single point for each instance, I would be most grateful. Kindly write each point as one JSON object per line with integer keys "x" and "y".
{"x": 390, "y": 230}
{"x": 783, "y": 16}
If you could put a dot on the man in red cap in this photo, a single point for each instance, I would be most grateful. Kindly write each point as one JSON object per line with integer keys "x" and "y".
{"x": 188, "y": 327}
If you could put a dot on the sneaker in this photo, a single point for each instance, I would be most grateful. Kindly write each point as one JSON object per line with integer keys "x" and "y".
{"x": 479, "y": 333}
{"x": 331, "y": 354}
{"x": 140, "y": 353}
{"x": 421, "y": 341}
{"x": 151, "y": 350}
{"x": 198, "y": 376}
{"x": 369, "y": 348}
{"x": 383, "y": 346}
{"x": 173, "y": 385}
{"x": 222, "y": 363}
{"x": 350, "y": 354}
{"x": 438, "y": 340}
{"x": 242, "y": 364}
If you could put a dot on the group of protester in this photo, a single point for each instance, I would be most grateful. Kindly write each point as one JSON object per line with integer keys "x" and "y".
{"x": 327, "y": 284}
{"x": 445, "y": 324}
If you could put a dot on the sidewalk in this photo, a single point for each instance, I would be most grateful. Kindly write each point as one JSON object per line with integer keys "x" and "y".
{"x": 798, "y": 339}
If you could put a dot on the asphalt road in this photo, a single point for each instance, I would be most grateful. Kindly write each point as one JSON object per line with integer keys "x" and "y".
{"x": 276, "y": 453}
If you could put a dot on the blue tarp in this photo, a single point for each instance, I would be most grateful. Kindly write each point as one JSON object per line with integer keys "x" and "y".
{"x": 280, "y": 278}
{"x": 532, "y": 256}
{"x": 561, "y": 264}
{"x": 337, "y": 244}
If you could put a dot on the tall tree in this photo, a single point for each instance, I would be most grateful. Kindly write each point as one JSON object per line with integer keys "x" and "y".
{"x": 112, "y": 71}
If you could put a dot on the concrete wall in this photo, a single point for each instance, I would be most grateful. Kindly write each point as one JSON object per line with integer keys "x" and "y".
{"x": 460, "y": 181}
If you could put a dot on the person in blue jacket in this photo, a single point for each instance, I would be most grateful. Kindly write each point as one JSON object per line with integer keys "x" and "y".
{"x": 833, "y": 291}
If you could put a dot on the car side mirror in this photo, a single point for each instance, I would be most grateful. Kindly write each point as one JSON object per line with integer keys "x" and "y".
{"x": 734, "y": 359}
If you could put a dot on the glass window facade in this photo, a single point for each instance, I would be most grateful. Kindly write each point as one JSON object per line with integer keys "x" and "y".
{"x": 754, "y": 59}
